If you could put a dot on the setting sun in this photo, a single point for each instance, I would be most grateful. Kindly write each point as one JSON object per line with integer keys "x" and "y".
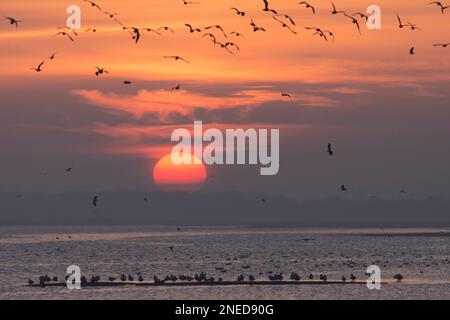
{"x": 184, "y": 177}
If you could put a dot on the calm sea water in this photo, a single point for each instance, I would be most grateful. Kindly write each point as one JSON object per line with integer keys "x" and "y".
{"x": 422, "y": 256}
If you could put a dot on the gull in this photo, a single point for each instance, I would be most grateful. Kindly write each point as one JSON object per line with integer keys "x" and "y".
{"x": 308, "y": 6}
{"x": 70, "y": 29}
{"x": 284, "y": 25}
{"x": 127, "y": 82}
{"x": 334, "y": 11}
{"x": 266, "y": 7}
{"x": 331, "y": 34}
{"x": 217, "y": 27}
{"x": 13, "y": 21}
{"x": 287, "y": 95}
{"x": 39, "y": 67}
{"x": 52, "y": 56}
{"x": 65, "y": 34}
{"x": 286, "y": 17}
{"x": 256, "y": 28}
{"x": 439, "y": 4}
{"x": 412, "y": 26}
{"x": 318, "y": 31}
{"x": 222, "y": 45}
{"x": 93, "y": 4}
{"x": 400, "y": 23}
{"x": 100, "y": 71}
{"x": 111, "y": 15}
{"x": 91, "y": 30}
{"x": 412, "y": 51}
{"x": 177, "y": 87}
{"x": 361, "y": 15}
{"x": 136, "y": 33}
{"x": 344, "y": 188}
{"x": 237, "y": 34}
{"x": 330, "y": 150}
{"x": 355, "y": 22}
{"x": 191, "y": 29}
{"x": 211, "y": 36}
{"x": 238, "y": 12}
{"x": 152, "y": 30}
{"x": 165, "y": 28}
{"x": 232, "y": 44}
{"x": 95, "y": 201}
{"x": 189, "y": 2}
{"x": 443, "y": 45}
{"x": 176, "y": 58}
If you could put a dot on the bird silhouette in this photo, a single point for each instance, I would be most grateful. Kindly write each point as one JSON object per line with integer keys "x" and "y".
{"x": 62, "y": 33}
{"x": 69, "y": 29}
{"x": 185, "y": 2}
{"x": 13, "y": 21}
{"x": 218, "y": 28}
{"x": 285, "y": 16}
{"x": 412, "y": 51}
{"x": 95, "y": 200}
{"x": 284, "y": 25}
{"x": 93, "y": 4}
{"x": 52, "y": 57}
{"x": 238, "y": 12}
{"x": 211, "y": 36}
{"x": 68, "y": 170}
{"x": 192, "y": 29}
{"x": 165, "y": 28}
{"x": 439, "y": 4}
{"x": 127, "y": 82}
{"x": 361, "y": 15}
{"x": 100, "y": 71}
{"x": 334, "y": 11}
{"x": 177, "y": 87}
{"x": 111, "y": 15}
{"x": 287, "y": 95}
{"x": 344, "y": 188}
{"x": 237, "y": 34}
{"x": 266, "y": 7}
{"x": 39, "y": 67}
{"x": 308, "y": 6}
{"x": 400, "y": 23}
{"x": 256, "y": 28}
{"x": 443, "y": 45}
{"x": 330, "y": 150}
{"x": 176, "y": 58}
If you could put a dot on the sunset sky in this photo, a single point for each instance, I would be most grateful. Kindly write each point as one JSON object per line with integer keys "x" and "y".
{"x": 386, "y": 112}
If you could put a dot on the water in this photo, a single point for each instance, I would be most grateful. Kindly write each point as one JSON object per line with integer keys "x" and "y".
{"x": 422, "y": 256}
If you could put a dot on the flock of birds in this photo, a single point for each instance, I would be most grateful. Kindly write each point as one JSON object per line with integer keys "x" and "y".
{"x": 284, "y": 20}
{"x": 200, "y": 278}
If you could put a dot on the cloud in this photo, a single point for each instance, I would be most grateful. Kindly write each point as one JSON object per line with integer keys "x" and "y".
{"x": 165, "y": 103}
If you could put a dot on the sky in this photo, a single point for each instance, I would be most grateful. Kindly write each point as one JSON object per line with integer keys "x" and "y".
{"x": 385, "y": 111}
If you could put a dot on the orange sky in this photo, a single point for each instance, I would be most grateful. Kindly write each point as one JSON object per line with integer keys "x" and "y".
{"x": 276, "y": 54}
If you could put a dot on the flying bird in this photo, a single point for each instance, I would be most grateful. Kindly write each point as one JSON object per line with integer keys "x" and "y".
{"x": 361, "y": 15}
{"x": 100, "y": 71}
{"x": 238, "y": 12}
{"x": 343, "y": 188}
{"x": 93, "y": 4}
{"x": 412, "y": 51}
{"x": 177, "y": 87}
{"x": 165, "y": 28}
{"x": 266, "y": 7}
{"x": 68, "y": 170}
{"x": 284, "y": 25}
{"x": 287, "y": 95}
{"x": 39, "y": 67}
{"x": 65, "y": 34}
{"x": 308, "y": 6}
{"x": 334, "y": 11}
{"x": 285, "y": 16}
{"x": 192, "y": 29}
{"x": 330, "y": 150}
{"x": 52, "y": 57}
{"x": 211, "y": 36}
{"x": 111, "y": 15}
{"x": 127, "y": 82}
{"x": 189, "y": 2}
{"x": 237, "y": 34}
{"x": 95, "y": 201}
{"x": 136, "y": 33}
{"x": 218, "y": 28}
{"x": 256, "y": 28}
{"x": 355, "y": 22}
{"x": 176, "y": 58}
{"x": 91, "y": 30}
{"x": 439, "y": 4}
{"x": 69, "y": 29}
{"x": 13, "y": 21}
{"x": 400, "y": 23}
{"x": 443, "y": 45}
